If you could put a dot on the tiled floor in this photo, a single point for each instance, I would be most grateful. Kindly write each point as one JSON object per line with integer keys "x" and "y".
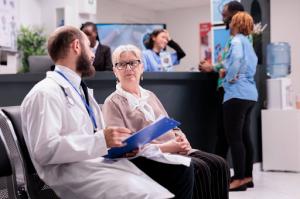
{"x": 271, "y": 185}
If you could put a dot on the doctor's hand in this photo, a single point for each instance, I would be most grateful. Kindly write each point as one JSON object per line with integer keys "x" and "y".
{"x": 115, "y": 135}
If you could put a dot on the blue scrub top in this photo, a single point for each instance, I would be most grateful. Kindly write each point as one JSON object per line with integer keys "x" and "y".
{"x": 152, "y": 61}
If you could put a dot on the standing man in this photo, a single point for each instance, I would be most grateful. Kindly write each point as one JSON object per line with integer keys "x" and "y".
{"x": 229, "y": 10}
{"x": 102, "y": 53}
{"x": 64, "y": 130}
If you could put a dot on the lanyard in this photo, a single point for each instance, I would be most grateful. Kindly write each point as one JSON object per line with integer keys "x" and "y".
{"x": 88, "y": 107}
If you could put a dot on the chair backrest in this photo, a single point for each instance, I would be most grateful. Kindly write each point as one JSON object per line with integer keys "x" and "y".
{"x": 13, "y": 114}
{"x": 18, "y": 176}
{"x": 39, "y": 63}
{"x": 5, "y": 165}
{"x": 8, "y": 184}
{"x": 35, "y": 186}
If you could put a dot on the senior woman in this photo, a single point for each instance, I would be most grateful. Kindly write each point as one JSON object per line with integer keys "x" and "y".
{"x": 133, "y": 107}
{"x": 239, "y": 99}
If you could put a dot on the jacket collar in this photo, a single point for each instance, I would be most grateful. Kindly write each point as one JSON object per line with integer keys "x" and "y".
{"x": 71, "y": 75}
{"x": 58, "y": 79}
{"x": 62, "y": 82}
{"x": 71, "y": 93}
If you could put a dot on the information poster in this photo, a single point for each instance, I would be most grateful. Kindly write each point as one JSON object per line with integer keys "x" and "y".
{"x": 220, "y": 38}
{"x": 205, "y": 41}
{"x": 8, "y": 24}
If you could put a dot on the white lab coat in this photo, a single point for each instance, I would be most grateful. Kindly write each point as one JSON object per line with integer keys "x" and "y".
{"x": 68, "y": 155}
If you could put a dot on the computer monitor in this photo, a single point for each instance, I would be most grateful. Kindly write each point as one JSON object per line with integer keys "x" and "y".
{"x": 114, "y": 35}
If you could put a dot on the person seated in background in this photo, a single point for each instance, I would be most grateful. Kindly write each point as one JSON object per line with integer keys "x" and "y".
{"x": 133, "y": 107}
{"x": 102, "y": 53}
{"x": 64, "y": 130}
{"x": 155, "y": 58}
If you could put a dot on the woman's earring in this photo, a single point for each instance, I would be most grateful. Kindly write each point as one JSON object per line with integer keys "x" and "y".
{"x": 142, "y": 77}
{"x": 117, "y": 80}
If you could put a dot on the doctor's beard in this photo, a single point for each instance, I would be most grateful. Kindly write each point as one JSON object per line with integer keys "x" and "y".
{"x": 84, "y": 65}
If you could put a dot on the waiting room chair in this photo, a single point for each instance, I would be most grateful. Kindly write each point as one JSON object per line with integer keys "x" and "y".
{"x": 8, "y": 184}
{"x": 36, "y": 188}
{"x": 40, "y": 63}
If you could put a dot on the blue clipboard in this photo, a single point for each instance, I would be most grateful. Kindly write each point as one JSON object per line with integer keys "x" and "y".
{"x": 143, "y": 136}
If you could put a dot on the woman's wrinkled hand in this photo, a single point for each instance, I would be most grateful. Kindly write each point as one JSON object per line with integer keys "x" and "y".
{"x": 178, "y": 145}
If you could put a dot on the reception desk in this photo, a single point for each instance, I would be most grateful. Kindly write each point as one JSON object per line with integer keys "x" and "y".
{"x": 188, "y": 97}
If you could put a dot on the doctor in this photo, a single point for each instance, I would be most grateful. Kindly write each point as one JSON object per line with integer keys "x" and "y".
{"x": 63, "y": 130}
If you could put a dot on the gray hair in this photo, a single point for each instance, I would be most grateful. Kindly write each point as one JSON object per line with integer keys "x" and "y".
{"x": 125, "y": 48}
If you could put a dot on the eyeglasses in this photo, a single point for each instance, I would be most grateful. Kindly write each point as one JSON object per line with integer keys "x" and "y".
{"x": 123, "y": 65}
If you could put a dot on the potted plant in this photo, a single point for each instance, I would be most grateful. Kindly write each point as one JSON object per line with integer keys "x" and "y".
{"x": 30, "y": 42}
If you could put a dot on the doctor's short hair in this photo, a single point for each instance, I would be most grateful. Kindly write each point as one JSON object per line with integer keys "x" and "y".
{"x": 125, "y": 48}
{"x": 60, "y": 40}
{"x": 243, "y": 22}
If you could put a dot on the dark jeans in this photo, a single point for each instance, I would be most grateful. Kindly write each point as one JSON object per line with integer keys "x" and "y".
{"x": 222, "y": 147}
{"x": 237, "y": 121}
{"x": 178, "y": 179}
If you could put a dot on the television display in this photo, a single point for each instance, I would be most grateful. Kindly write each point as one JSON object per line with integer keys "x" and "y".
{"x": 114, "y": 35}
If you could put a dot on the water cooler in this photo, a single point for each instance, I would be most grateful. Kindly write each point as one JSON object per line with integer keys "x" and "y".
{"x": 280, "y": 94}
{"x": 280, "y": 121}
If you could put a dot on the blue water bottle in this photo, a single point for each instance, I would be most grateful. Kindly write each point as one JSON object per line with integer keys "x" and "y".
{"x": 278, "y": 59}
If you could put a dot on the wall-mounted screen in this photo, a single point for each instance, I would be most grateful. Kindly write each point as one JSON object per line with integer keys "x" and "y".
{"x": 114, "y": 35}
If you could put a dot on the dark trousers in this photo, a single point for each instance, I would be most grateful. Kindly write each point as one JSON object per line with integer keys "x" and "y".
{"x": 178, "y": 179}
{"x": 237, "y": 118}
{"x": 211, "y": 176}
{"x": 222, "y": 147}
